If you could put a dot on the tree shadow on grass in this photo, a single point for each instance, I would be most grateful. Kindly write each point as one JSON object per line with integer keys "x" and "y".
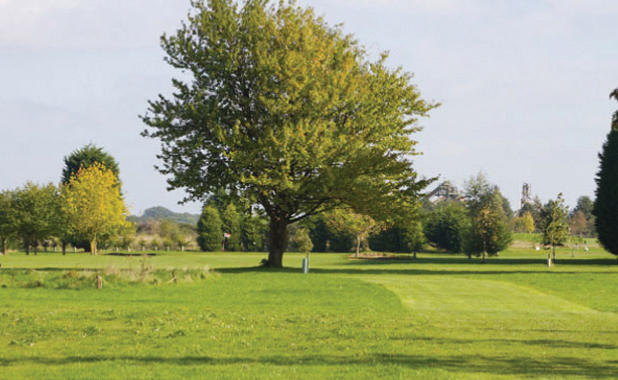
{"x": 550, "y": 343}
{"x": 476, "y": 261}
{"x": 496, "y": 365}
{"x": 391, "y": 271}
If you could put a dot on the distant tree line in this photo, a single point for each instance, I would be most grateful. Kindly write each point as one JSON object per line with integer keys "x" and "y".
{"x": 86, "y": 209}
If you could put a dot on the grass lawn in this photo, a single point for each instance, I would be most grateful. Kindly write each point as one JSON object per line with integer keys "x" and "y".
{"x": 198, "y": 315}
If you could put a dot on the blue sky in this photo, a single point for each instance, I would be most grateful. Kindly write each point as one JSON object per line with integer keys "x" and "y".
{"x": 524, "y": 85}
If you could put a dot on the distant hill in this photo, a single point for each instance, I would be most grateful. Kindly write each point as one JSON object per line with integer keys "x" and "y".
{"x": 162, "y": 213}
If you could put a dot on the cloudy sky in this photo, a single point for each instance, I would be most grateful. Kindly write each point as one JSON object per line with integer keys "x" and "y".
{"x": 524, "y": 85}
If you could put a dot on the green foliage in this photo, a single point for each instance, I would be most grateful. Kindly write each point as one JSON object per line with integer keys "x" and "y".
{"x": 85, "y": 157}
{"x": 299, "y": 239}
{"x": 535, "y": 209}
{"x": 445, "y": 225}
{"x": 284, "y": 109}
{"x": 253, "y": 233}
{"x": 349, "y": 222}
{"x": 581, "y": 219}
{"x": 210, "y": 230}
{"x": 8, "y": 223}
{"x": 524, "y": 223}
{"x": 488, "y": 231}
{"x": 232, "y": 225}
{"x": 93, "y": 205}
{"x": 399, "y": 238}
{"x": 606, "y": 203}
{"x": 585, "y": 205}
{"x": 36, "y": 209}
{"x": 556, "y": 224}
{"x": 325, "y": 238}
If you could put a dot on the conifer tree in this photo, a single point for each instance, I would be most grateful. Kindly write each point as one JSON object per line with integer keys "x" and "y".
{"x": 210, "y": 230}
{"x": 606, "y": 202}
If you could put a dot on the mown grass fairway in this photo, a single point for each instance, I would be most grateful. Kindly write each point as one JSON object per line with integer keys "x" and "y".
{"x": 440, "y": 316}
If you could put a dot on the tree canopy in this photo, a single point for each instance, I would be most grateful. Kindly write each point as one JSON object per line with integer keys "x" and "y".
{"x": 85, "y": 157}
{"x": 346, "y": 221}
{"x": 93, "y": 205}
{"x": 35, "y": 209}
{"x": 280, "y": 107}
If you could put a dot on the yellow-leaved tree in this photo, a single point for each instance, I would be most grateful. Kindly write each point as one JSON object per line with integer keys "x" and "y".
{"x": 93, "y": 204}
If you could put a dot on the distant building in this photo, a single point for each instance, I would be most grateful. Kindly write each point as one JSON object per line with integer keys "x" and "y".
{"x": 446, "y": 191}
{"x": 526, "y": 198}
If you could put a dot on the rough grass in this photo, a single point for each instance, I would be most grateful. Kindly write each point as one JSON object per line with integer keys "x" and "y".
{"x": 440, "y": 316}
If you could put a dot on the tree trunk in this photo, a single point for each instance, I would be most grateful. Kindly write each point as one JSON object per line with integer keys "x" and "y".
{"x": 3, "y": 247}
{"x": 483, "y": 256}
{"x": 358, "y": 241}
{"x": 553, "y": 253}
{"x": 27, "y": 248}
{"x": 278, "y": 239}
{"x": 64, "y": 247}
{"x": 93, "y": 247}
{"x": 415, "y": 255}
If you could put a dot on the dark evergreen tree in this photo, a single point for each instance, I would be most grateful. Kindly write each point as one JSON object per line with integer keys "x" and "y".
{"x": 253, "y": 233}
{"x": 326, "y": 239}
{"x": 210, "y": 230}
{"x": 606, "y": 203}
{"x": 84, "y": 157}
{"x": 445, "y": 225}
{"x": 407, "y": 238}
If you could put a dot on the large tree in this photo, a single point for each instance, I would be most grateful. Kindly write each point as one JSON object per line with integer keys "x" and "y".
{"x": 278, "y": 106}
{"x": 93, "y": 205}
{"x": 606, "y": 202}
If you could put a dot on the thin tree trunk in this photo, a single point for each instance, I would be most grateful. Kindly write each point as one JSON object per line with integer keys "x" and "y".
{"x": 278, "y": 239}
{"x": 27, "y": 248}
{"x": 553, "y": 253}
{"x": 64, "y": 247}
{"x": 4, "y": 247}
{"x": 93, "y": 247}
{"x": 358, "y": 241}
